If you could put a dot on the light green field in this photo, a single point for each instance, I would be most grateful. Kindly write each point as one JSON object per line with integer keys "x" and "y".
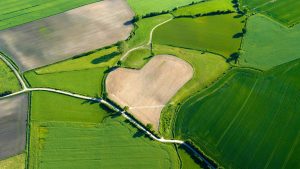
{"x": 205, "y": 7}
{"x": 57, "y": 107}
{"x": 268, "y": 44}
{"x": 143, "y": 7}
{"x": 144, "y": 27}
{"x": 16, "y": 12}
{"x": 137, "y": 59}
{"x": 83, "y": 75}
{"x": 284, "y": 11}
{"x": 247, "y": 120}
{"x": 8, "y": 80}
{"x": 187, "y": 161}
{"x": 60, "y": 139}
{"x": 15, "y": 162}
{"x": 207, "y": 69}
{"x": 213, "y": 33}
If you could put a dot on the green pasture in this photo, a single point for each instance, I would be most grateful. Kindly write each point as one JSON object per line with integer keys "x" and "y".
{"x": 82, "y": 74}
{"x": 255, "y": 123}
{"x": 17, "y": 12}
{"x": 219, "y": 34}
{"x": 143, "y": 29}
{"x": 8, "y": 80}
{"x": 268, "y": 44}
{"x": 15, "y": 162}
{"x": 204, "y": 8}
{"x": 284, "y": 11}
{"x": 112, "y": 144}
{"x": 143, "y": 7}
{"x": 46, "y": 106}
{"x": 137, "y": 59}
{"x": 86, "y": 82}
{"x": 186, "y": 160}
{"x": 207, "y": 69}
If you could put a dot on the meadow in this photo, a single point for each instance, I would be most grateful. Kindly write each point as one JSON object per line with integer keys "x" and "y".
{"x": 57, "y": 107}
{"x": 207, "y": 69}
{"x": 205, "y": 8}
{"x": 285, "y": 11}
{"x": 15, "y": 162}
{"x": 143, "y": 29}
{"x": 83, "y": 74}
{"x": 143, "y": 7}
{"x": 137, "y": 59}
{"x": 256, "y": 122}
{"x": 13, "y": 12}
{"x": 268, "y": 44}
{"x": 68, "y": 133}
{"x": 8, "y": 80}
{"x": 218, "y": 34}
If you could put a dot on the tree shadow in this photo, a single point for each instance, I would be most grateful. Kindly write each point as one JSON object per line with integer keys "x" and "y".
{"x": 238, "y": 35}
{"x": 138, "y": 134}
{"x": 111, "y": 69}
{"x": 105, "y": 58}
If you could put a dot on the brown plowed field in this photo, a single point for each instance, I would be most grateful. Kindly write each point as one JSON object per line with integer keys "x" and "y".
{"x": 67, "y": 34}
{"x": 146, "y": 91}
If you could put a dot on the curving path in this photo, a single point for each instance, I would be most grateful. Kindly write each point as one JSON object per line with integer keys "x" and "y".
{"x": 104, "y": 102}
{"x": 149, "y": 42}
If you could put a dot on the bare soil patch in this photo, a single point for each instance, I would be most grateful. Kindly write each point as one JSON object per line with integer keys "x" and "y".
{"x": 146, "y": 91}
{"x": 67, "y": 34}
{"x": 13, "y": 117}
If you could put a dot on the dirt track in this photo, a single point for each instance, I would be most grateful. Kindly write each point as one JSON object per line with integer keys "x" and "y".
{"x": 146, "y": 91}
{"x": 13, "y": 115}
{"x": 71, "y": 33}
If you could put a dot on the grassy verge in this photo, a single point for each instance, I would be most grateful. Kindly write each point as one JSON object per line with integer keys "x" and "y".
{"x": 137, "y": 59}
{"x": 8, "y": 81}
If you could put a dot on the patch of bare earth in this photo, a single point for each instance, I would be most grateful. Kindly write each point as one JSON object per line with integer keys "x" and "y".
{"x": 146, "y": 91}
{"x": 13, "y": 117}
{"x": 67, "y": 34}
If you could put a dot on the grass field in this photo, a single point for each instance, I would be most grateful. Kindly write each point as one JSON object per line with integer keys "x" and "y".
{"x": 255, "y": 123}
{"x": 187, "y": 161}
{"x": 15, "y": 162}
{"x": 205, "y": 7}
{"x": 268, "y": 44}
{"x": 207, "y": 69}
{"x": 13, "y": 12}
{"x": 219, "y": 34}
{"x": 82, "y": 75}
{"x": 144, "y": 27}
{"x": 143, "y": 7}
{"x": 8, "y": 80}
{"x": 284, "y": 11}
{"x": 47, "y": 106}
{"x": 137, "y": 59}
{"x": 67, "y": 133}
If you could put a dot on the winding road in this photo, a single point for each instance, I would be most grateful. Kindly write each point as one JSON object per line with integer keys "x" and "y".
{"x": 26, "y": 89}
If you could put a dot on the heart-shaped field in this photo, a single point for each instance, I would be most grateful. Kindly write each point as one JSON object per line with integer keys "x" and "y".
{"x": 146, "y": 91}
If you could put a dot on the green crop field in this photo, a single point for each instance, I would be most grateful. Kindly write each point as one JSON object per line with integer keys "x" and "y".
{"x": 8, "y": 80}
{"x": 219, "y": 34}
{"x": 207, "y": 69}
{"x": 15, "y": 162}
{"x": 57, "y": 107}
{"x": 70, "y": 133}
{"x": 205, "y": 7}
{"x": 143, "y": 7}
{"x": 144, "y": 27}
{"x": 284, "y": 11}
{"x": 268, "y": 44}
{"x": 16, "y": 12}
{"x": 255, "y": 123}
{"x": 82, "y": 75}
